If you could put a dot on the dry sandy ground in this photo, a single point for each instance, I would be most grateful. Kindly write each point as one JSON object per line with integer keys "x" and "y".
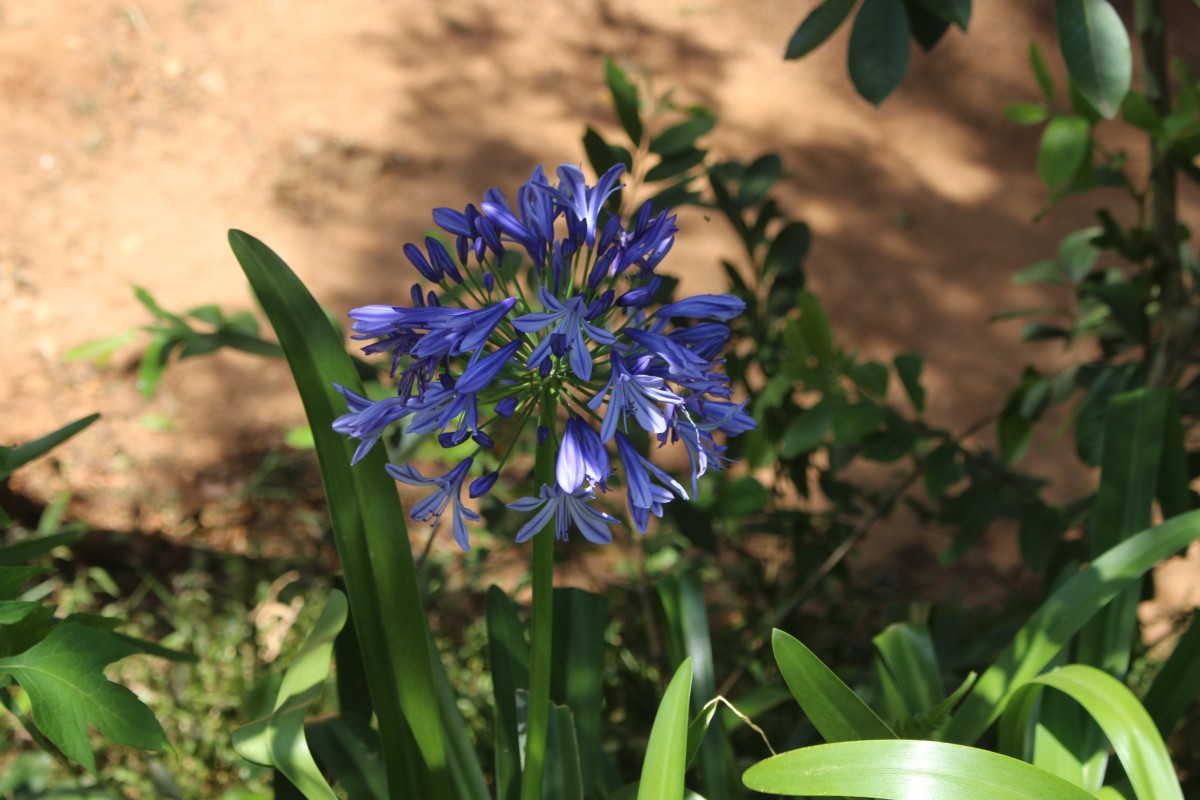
{"x": 135, "y": 133}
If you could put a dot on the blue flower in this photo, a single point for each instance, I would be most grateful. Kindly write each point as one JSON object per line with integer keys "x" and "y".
{"x": 566, "y": 509}
{"x": 472, "y": 362}
{"x": 635, "y": 392}
{"x": 448, "y": 493}
{"x": 570, "y": 322}
{"x": 581, "y": 455}
{"x": 645, "y": 496}
{"x": 367, "y": 419}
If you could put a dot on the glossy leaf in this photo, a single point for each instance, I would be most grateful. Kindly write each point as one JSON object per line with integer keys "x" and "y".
{"x": 879, "y": 48}
{"x": 906, "y": 769}
{"x": 1061, "y": 616}
{"x": 831, "y": 706}
{"x": 666, "y": 752}
{"x": 818, "y": 26}
{"x": 368, "y": 525}
{"x": 1126, "y": 724}
{"x": 957, "y": 12}
{"x": 63, "y": 676}
{"x": 1096, "y": 48}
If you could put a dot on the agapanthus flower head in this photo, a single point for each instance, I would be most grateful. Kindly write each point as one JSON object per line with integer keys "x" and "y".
{"x": 569, "y": 348}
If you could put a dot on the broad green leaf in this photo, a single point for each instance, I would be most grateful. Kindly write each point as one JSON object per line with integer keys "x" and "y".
{"x": 741, "y": 498}
{"x": 906, "y": 769}
{"x": 870, "y": 376}
{"x": 601, "y": 155}
{"x": 815, "y": 325}
{"x": 1174, "y": 496}
{"x": 625, "y": 100}
{"x": 806, "y": 431}
{"x": 1061, "y": 616}
{"x": 1096, "y": 48}
{"x": 853, "y": 421}
{"x": 681, "y": 138}
{"x": 1077, "y": 253}
{"x": 1063, "y": 148}
{"x": 672, "y": 166}
{"x": 788, "y": 249}
{"x": 21, "y": 455}
{"x": 13, "y": 578}
{"x": 368, "y": 525}
{"x": 957, "y": 12}
{"x": 277, "y": 740}
{"x": 831, "y": 706}
{"x": 927, "y": 28}
{"x": 1125, "y": 723}
{"x": 942, "y": 470}
{"x": 666, "y": 752}
{"x": 879, "y": 48}
{"x": 466, "y": 775}
{"x": 1014, "y": 432}
{"x": 818, "y": 26}
{"x": 63, "y": 676}
{"x": 154, "y": 361}
{"x": 908, "y": 367}
{"x": 1137, "y": 111}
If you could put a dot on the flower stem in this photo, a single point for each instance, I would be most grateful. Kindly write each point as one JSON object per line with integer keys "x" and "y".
{"x": 542, "y": 624}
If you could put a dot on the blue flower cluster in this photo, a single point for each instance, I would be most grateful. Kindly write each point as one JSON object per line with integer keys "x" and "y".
{"x": 569, "y": 325}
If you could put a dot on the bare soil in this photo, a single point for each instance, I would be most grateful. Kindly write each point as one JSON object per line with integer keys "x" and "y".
{"x": 136, "y": 133}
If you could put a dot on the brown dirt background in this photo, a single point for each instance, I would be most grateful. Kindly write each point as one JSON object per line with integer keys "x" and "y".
{"x": 135, "y": 133}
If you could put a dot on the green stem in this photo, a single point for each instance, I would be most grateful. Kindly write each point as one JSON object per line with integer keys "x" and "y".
{"x": 542, "y": 624}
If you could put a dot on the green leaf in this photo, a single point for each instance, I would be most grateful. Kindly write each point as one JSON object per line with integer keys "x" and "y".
{"x": 926, "y": 28}
{"x": 869, "y": 376}
{"x": 1064, "y": 146}
{"x": 577, "y": 672}
{"x": 906, "y": 649}
{"x": 831, "y": 706}
{"x": 100, "y": 351}
{"x": 854, "y": 421}
{"x": 21, "y": 455}
{"x": 806, "y": 431}
{"x": 1037, "y": 62}
{"x": 686, "y": 618}
{"x": 1026, "y": 113}
{"x": 741, "y": 498}
{"x": 1138, "y": 112}
{"x": 681, "y": 137}
{"x": 1046, "y": 271}
{"x": 942, "y": 470}
{"x": 625, "y": 100}
{"x": 906, "y": 770}
{"x": 1014, "y": 431}
{"x": 814, "y": 324}
{"x": 602, "y": 155}
{"x": 368, "y": 524}
{"x": 348, "y": 751}
{"x": 666, "y": 752}
{"x": 1042, "y": 527}
{"x": 788, "y": 250}
{"x": 957, "y": 12}
{"x": 508, "y": 654}
{"x": 277, "y": 740}
{"x": 563, "y": 777}
{"x": 154, "y": 361}
{"x": 1177, "y": 683}
{"x": 908, "y": 367}
{"x": 30, "y": 549}
{"x": 879, "y": 49}
{"x": 1096, "y": 48}
{"x": 1062, "y": 615}
{"x": 1125, "y": 723}
{"x": 818, "y": 26}
{"x": 671, "y": 166}
{"x": 63, "y": 676}
{"x": 13, "y": 578}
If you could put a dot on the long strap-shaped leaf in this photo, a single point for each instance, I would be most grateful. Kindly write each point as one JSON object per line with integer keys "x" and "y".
{"x": 666, "y": 752}
{"x": 368, "y": 524}
{"x": 1061, "y": 616}
{"x": 1123, "y": 719}
{"x": 906, "y": 769}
